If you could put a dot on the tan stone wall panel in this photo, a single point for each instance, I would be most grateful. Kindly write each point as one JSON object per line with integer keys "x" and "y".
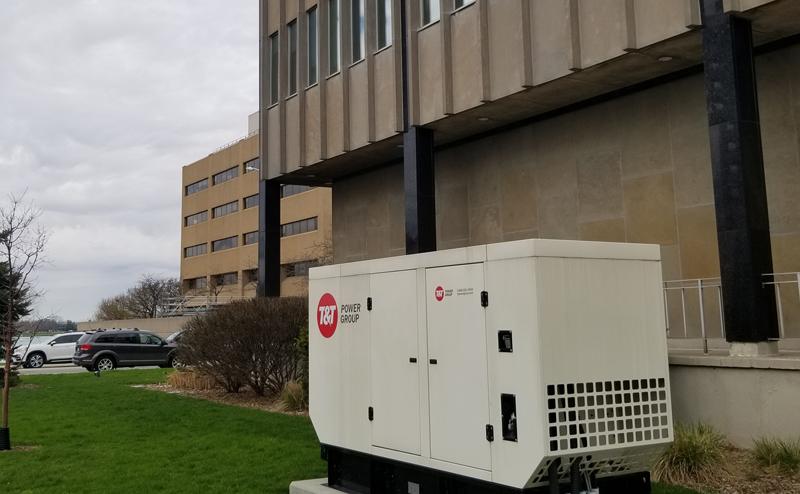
{"x": 466, "y": 59}
{"x": 603, "y": 231}
{"x": 385, "y": 97}
{"x": 603, "y": 30}
{"x": 431, "y": 105}
{"x": 645, "y": 135}
{"x": 312, "y": 141}
{"x": 506, "y": 70}
{"x": 292, "y": 134}
{"x": 650, "y": 209}
{"x": 697, "y": 228}
{"x": 657, "y": 20}
{"x": 333, "y": 101}
{"x": 599, "y": 186}
{"x": 551, "y": 40}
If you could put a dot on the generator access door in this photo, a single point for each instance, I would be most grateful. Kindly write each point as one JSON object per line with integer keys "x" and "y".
{"x": 457, "y": 368}
{"x": 395, "y": 361}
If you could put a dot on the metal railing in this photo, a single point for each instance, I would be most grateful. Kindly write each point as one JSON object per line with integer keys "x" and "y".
{"x": 233, "y": 143}
{"x": 694, "y": 292}
{"x": 779, "y": 280}
{"x": 694, "y": 288}
{"x": 196, "y": 304}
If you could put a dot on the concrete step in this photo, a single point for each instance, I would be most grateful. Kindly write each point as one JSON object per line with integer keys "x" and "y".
{"x": 313, "y": 486}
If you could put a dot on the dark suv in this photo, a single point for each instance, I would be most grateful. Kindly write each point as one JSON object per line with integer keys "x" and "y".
{"x": 106, "y": 350}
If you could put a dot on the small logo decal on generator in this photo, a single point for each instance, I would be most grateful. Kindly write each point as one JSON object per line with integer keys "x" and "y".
{"x": 439, "y": 293}
{"x": 327, "y": 315}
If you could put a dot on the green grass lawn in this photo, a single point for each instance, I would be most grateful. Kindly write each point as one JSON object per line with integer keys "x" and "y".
{"x": 94, "y": 434}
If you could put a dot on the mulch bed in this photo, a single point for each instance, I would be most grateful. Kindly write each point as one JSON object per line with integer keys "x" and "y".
{"x": 740, "y": 475}
{"x": 245, "y": 398}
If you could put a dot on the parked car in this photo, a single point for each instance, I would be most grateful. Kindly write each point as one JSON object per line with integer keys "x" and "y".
{"x": 57, "y": 350}
{"x": 107, "y": 350}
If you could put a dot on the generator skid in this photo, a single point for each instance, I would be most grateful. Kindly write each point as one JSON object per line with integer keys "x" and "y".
{"x": 526, "y": 366}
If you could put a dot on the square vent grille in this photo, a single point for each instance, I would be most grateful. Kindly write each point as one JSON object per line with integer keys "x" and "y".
{"x": 606, "y": 413}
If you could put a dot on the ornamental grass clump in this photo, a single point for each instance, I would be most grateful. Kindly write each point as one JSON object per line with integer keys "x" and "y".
{"x": 777, "y": 453}
{"x": 694, "y": 455}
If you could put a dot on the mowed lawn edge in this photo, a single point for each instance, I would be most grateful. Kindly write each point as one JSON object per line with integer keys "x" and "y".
{"x": 81, "y": 433}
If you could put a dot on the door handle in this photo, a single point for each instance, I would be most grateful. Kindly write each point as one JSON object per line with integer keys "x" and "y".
{"x": 413, "y": 360}
{"x": 433, "y": 361}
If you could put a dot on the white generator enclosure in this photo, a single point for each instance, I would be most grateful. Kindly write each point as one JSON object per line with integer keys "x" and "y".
{"x": 492, "y": 362}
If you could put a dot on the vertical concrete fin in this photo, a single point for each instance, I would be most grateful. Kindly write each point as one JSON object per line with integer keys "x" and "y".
{"x": 575, "y": 33}
{"x": 486, "y": 79}
{"x": 630, "y": 26}
{"x": 302, "y": 78}
{"x": 527, "y": 42}
{"x": 369, "y": 52}
{"x": 283, "y": 85}
{"x": 398, "y": 37}
{"x": 324, "y": 67}
{"x": 346, "y": 57}
{"x": 445, "y": 7}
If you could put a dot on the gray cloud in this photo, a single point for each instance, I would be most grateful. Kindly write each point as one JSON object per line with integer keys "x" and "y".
{"x": 101, "y": 103}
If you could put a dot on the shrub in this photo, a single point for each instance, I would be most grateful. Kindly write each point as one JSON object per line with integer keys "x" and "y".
{"x": 249, "y": 342}
{"x": 192, "y": 380}
{"x": 294, "y": 397}
{"x": 14, "y": 378}
{"x": 772, "y": 452}
{"x": 301, "y": 348}
{"x": 693, "y": 455}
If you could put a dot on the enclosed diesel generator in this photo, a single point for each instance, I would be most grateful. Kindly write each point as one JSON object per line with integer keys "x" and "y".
{"x": 526, "y": 366}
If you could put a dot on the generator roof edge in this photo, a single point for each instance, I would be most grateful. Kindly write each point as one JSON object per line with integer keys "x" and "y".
{"x": 492, "y": 252}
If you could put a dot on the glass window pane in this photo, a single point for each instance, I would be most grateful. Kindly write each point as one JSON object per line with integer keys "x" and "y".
{"x": 292, "y": 32}
{"x": 274, "y": 51}
{"x": 312, "y": 46}
{"x": 357, "y": 29}
{"x": 384, "y": 19}
{"x": 333, "y": 36}
{"x": 429, "y": 11}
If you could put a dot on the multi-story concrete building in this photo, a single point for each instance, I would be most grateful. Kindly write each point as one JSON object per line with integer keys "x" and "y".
{"x": 449, "y": 123}
{"x": 219, "y": 225}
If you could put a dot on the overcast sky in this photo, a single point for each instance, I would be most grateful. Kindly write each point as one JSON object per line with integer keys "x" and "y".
{"x": 101, "y": 104}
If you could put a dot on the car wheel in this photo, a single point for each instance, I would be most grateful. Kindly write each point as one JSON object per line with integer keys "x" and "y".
{"x": 35, "y": 360}
{"x": 105, "y": 364}
{"x": 175, "y": 363}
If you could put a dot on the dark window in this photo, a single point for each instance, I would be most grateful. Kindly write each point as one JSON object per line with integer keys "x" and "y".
{"x": 333, "y": 36}
{"x": 250, "y": 238}
{"x": 149, "y": 339}
{"x": 253, "y": 165}
{"x": 429, "y": 11}
{"x": 357, "y": 30}
{"x": 197, "y": 283}
{"x": 223, "y": 244}
{"x": 197, "y": 186}
{"x": 226, "y": 279}
{"x": 251, "y": 201}
{"x": 290, "y": 190}
{"x": 297, "y": 227}
{"x": 313, "y": 46}
{"x": 274, "y": 52}
{"x": 291, "y": 30}
{"x": 195, "y": 250}
{"x": 460, "y": 3}
{"x": 228, "y": 174}
{"x": 196, "y": 218}
{"x": 127, "y": 338}
{"x": 70, "y": 338}
{"x": 298, "y": 268}
{"x": 106, "y": 338}
{"x": 225, "y": 209}
{"x": 250, "y": 275}
{"x": 384, "y": 19}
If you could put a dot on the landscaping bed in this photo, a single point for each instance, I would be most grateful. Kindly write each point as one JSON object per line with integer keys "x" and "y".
{"x": 81, "y": 433}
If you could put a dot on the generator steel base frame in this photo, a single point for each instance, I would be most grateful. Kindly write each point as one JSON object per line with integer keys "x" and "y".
{"x": 360, "y": 473}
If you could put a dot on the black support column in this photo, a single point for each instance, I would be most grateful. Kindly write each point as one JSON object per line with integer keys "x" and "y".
{"x": 419, "y": 193}
{"x": 269, "y": 239}
{"x": 738, "y": 170}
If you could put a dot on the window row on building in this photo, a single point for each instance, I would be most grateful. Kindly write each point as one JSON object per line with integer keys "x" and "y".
{"x": 233, "y": 206}
{"x": 429, "y": 9}
{"x": 223, "y": 176}
{"x": 289, "y": 270}
{"x": 221, "y": 210}
{"x": 249, "y": 238}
